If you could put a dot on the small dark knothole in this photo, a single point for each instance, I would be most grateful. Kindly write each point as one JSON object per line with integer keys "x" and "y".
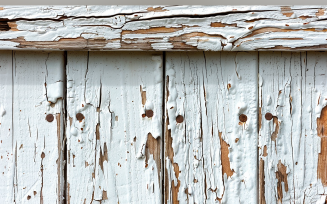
{"x": 149, "y": 113}
{"x": 243, "y": 118}
{"x": 179, "y": 119}
{"x": 4, "y": 25}
{"x": 49, "y": 118}
{"x": 79, "y": 116}
{"x": 268, "y": 116}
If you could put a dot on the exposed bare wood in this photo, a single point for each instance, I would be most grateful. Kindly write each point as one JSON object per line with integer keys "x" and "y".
{"x": 240, "y": 28}
{"x": 211, "y": 127}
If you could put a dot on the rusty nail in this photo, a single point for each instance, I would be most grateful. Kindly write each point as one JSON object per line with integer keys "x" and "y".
{"x": 179, "y": 119}
{"x": 79, "y": 116}
{"x": 268, "y": 116}
{"x": 149, "y": 113}
{"x": 243, "y": 118}
{"x": 49, "y": 118}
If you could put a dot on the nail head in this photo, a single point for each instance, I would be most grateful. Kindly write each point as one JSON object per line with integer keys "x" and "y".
{"x": 79, "y": 116}
{"x": 49, "y": 118}
{"x": 268, "y": 116}
{"x": 243, "y": 118}
{"x": 179, "y": 119}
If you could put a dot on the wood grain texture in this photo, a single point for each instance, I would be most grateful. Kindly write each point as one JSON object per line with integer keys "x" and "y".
{"x": 115, "y": 127}
{"x": 211, "y": 155}
{"x": 292, "y": 142}
{"x": 7, "y": 149}
{"x": 215, "y": 28}
{"x": 38, "y": 124}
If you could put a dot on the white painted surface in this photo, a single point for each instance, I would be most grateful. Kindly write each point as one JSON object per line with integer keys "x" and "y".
{"x": 7, "y": 149}
{"x": 293, "y": 89}
{"x": 210, "y": 90}
{"x": 145, "y": 27}
{"x": 37, "y": 161}
{"x": 111, "y": 158}
{"x": 107, "y": 149}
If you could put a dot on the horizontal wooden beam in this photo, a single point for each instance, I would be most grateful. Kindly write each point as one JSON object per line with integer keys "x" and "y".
{"x": 183, "y": 28}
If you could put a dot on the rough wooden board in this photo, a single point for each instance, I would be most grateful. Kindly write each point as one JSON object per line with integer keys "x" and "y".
{"x": 211, "y": 155}
{"x": 216, "y": 28}
{"x": 7, "y": 149}
{"x": 37, "y": 172}
{"x": 293, "y": 90}
{"x": 114, "y": 140}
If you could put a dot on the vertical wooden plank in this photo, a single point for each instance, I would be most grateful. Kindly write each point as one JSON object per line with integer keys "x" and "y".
{"x": 292, "y": 97}
{"x": 6, "y": 145}
{"x": 38, "y": 79}
{"x": 115, "y": 127}
{"x": 211, "y": 127}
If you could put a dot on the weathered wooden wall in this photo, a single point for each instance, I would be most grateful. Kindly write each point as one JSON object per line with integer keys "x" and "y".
{"x": 153, "y": 127}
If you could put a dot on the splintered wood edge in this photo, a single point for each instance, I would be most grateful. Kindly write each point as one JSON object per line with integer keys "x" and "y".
{"x": 165, "y": 28}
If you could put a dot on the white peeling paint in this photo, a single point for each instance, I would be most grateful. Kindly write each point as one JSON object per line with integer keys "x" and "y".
{"x": 210, "y": 90}
{"x": 212, "y": 28}
{"x": 293, "y": 83}
{"x": 108, "y": 147}
{"x": 30, "y": 146}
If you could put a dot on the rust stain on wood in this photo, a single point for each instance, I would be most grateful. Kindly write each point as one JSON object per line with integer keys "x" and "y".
{"x": 281, "y": 176}
{"x": 262, "y": 199}
{"x": 225, "y": 163}
{"x": 143, "y": 95}
{"x": 219, "y": 24}
{"x": 287, "y": 11}
{"x": 152, "y": 146}
{"x": 322, "y": 156}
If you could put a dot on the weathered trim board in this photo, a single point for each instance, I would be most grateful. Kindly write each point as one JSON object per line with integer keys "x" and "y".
{"x": 163, "y": 127}
{"x": 163, "y": 28}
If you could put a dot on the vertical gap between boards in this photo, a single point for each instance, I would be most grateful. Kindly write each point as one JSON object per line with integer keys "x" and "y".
{"x": 65, "y": 199}
{"x": 163, "y": 127}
